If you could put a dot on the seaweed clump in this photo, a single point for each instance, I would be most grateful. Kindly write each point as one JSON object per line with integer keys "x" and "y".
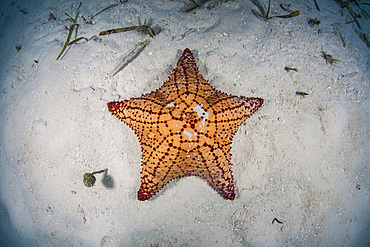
{"x": 71, "y": 28}
{"x": 329, "y": 58}
{"x": 89, "y": 178}
{"x": 265, "y": 15}
{"x": 313, "y": 22}
{"x": 142, "y": 27}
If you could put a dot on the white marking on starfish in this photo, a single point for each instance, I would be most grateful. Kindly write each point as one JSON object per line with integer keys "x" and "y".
{"x": 188, "y": 134}
{"x": 170, "y": 104}
{"x": 201, "y": 114}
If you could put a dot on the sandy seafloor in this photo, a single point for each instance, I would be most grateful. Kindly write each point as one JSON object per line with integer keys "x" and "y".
{"x": 301, "y": 160}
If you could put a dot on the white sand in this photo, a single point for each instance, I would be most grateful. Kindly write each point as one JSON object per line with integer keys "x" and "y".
{"x": 304, "y": 161}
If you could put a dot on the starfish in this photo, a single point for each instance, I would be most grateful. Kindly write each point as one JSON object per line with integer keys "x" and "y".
{"x": 185, "y": 128}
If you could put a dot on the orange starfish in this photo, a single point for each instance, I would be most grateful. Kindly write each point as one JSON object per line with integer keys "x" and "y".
{"x": 185, "y": 128}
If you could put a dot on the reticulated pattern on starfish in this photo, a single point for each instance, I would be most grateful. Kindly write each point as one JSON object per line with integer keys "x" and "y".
{"x": 185, "y": 128}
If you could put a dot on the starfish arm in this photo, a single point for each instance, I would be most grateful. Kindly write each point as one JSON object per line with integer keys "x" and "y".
{"x": 140, "y": 114}
{"x": 151, "y": 178}
{"x": 218, "y": 171}
{"x": 212, "y": 165}
{"x": 228, "y": 113}
{"x": 222, "y": 179}
{"x": 154, "y": 177}
{"x": 233, "y": 108}
{"x": 158, "y": 168}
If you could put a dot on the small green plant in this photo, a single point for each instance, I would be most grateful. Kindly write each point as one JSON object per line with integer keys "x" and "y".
{"x": 313, "y": 22}
{"x": 289, "y": 68}
{"x": 264, "y": 15}
{"x": 317, "y": 5}
{"x": 22, "y": 10}
{"x": 303, "y": 94}
{"x": 355, "y": 16}
{"x": 70, "y": 31}
{"x": 364, "y": 38}
{"x": 329, "y": 58}
{"x": 278, "y": 221}
{"x": 18, "y": 47}
{"x": 89, "y": 178}
{"x": 342, "y": 3}
{"x": 51, "y": 16}
{"x": 88, "y": 20}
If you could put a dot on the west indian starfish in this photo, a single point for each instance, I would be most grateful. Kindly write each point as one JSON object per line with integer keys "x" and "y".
{"x": 185, "y": 128}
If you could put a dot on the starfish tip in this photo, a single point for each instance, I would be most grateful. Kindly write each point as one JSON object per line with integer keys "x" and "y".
{"x": 187, "y": 50}
{"x": 230, "y": 196}
{"x": 111, "y": 106}
{"x": 187, "y": 56}
{"x": 114, "y": 107}
{"x": 259, "y": 102}
{"x": 141, "y": 197}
